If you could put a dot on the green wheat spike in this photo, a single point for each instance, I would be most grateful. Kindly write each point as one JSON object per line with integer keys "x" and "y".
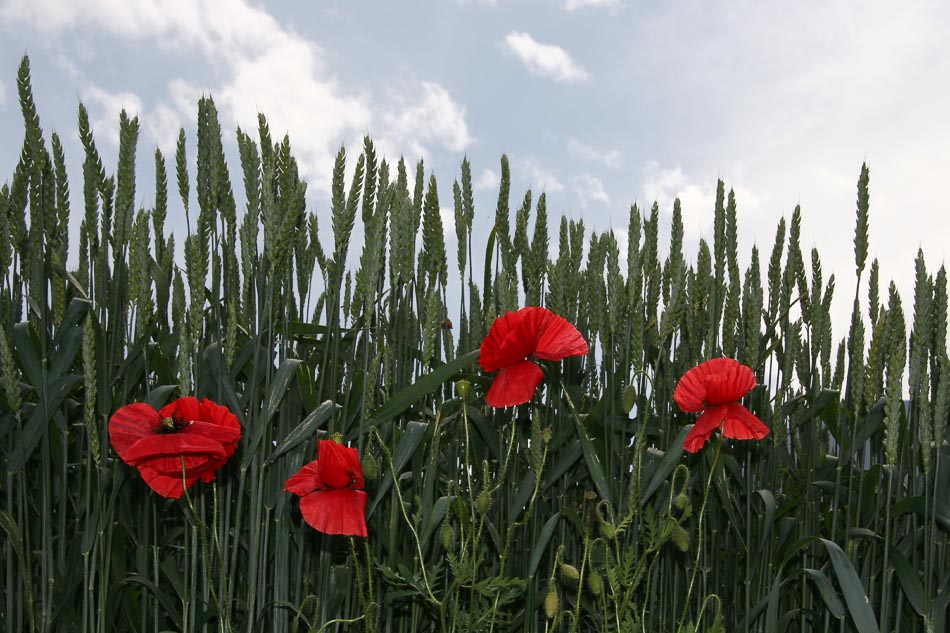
{"x": 861, "y": 224}
{"x": 895, "y": 359}
{"x": 433, "y": 266}
{"x": 856, "y": 360}
{"x": 181, "y": 171}
{"x": 837, "y": 379}
{"x": 874, "y": 373}
{"x": 140, "y": 277}
{"x": 399, "y": 222}
{"x": 593, "y": 300}
{"x": 939, "y": 344}
{"x": 750, "y": 321}
{"x": 616, "y": 304}
{"x": 370, "y": 180}
{"x": 6, "y": 234}
{"x": 674, "y": 260}
{"x": 160, "y": 212}
{"x": 430, "y": 327}
{"x": 125, "y": 182}
{"x": 824, "y": 330}
{"x": 577, "y": 234}
{"x": 634, "y": 265}
{"x": 502, "y": 215}
{"x": 182, "y": 331}
{"x": 305, "y": 259}
{"x": 921, "y": 329}
{"x": 8, "y": 373}
{"x": 942, "y": 402}
{"x": 775, "y": 272}
{"x": 90, "y": 387}
{"x": 538, "y": 256}
{"x": 559, "y": 269}
{"x": 925, "y": 423}
{"x": 461, "y": 231}
{"x": 60, "y": 232}
{"x": 874, "y": 301}
{"x": 519, "y": 243}
{"x": 732, "y": 238}
{"x": 719, "y": 250}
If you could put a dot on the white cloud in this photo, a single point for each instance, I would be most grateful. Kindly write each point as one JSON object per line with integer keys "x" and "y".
{"x": 612, "y": 159}
{"x": 537, "y": 176}
{"x": 434, "y": 118}
{"x": 697, "y": 201}
{"x": 264, "y": 68}
{"x": 3, "y": 93}
{"x": 544, "y": 60}
{"x": 590, "y": 189}
{"x": 488, "y": 180}
{"x": 574, "y": 5}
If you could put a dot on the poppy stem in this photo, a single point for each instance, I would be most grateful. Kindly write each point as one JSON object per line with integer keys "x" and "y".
{"x": 699, "y": 544}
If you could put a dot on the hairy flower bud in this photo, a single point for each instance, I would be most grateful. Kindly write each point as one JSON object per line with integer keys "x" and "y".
{"x": 569, "y": 573}
{"x": 483, "y": 502}
{"x": 680, "y": 538}
{"x": 447, "y": 535}
{"x": 370, "y": 469}
{"x": 550, "y": 604}
{"x": 595, "y": 582}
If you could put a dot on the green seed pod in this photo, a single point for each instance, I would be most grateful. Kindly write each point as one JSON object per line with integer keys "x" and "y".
{"x": 463, "y": 388}
{"x": 483, "y": 502}
{"x": 370, "y": 469}
{"x": 595, "y": 582}
{"x": 550, "y": 604}
{"x": 569, "y": 573}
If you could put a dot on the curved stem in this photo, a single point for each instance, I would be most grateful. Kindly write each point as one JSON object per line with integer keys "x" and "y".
{"x": 699, "y": 544}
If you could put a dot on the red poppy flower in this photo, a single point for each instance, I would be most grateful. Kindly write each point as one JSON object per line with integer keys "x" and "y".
{"x": 715, "y": 387}
{"x": 202, "y": 434}
{"x": 331, "y": 493}
{"x": 531, "y": 332}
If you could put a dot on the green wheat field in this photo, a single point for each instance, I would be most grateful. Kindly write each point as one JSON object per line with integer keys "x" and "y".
{"x": 578, "y": 511}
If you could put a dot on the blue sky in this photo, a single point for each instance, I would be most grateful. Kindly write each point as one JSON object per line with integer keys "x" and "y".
{"x": 600, "y": 103}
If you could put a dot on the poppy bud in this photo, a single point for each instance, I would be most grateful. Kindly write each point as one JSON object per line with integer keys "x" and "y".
{"x": 463, "y": 388}
{"x": 370, "y": 470}
{"x": 608, "y": 531}
{"x": 483, "y": 502}
{"x": 629, "y": 398}
{"x": 681, "y": 538}
{"x": 546, "y": 434}
{"x": 447, "y": 535}
{"x": 337, "y": 437}
{"x": 447, "y": 324}
{"x": 680, "y": 501}
{"x": 550, "y": 604}
{"x": 569, "y": 573}
{"x": 590, "y": 495}
{"x": 595, "y": 582}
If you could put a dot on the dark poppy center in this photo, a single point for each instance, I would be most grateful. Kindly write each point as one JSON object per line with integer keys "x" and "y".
{"x": 172, "y": 424}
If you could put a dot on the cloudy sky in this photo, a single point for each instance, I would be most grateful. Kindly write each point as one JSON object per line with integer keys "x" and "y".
{"x": 600, "y": 103}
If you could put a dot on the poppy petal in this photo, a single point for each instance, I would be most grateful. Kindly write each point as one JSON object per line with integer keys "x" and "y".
{"x": 559, "y": 339}
{"x": 511, "y": 338}
{"x": 166, "y": 485}
{"x": 715, "y": 382}
{"x": 728, "y": 383}
{"x": 225, "y": 435}
{"x": 339, "y": 465}
{"x": 514, "y": 385}
{"x": 742, "y": 424}
{"x": 709, "y": 421}
{"x": 173, "y": 444}
{"x": 130, "y": 424}
{"x": 336, "y": 511}
{"x": 305, "y": 480}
